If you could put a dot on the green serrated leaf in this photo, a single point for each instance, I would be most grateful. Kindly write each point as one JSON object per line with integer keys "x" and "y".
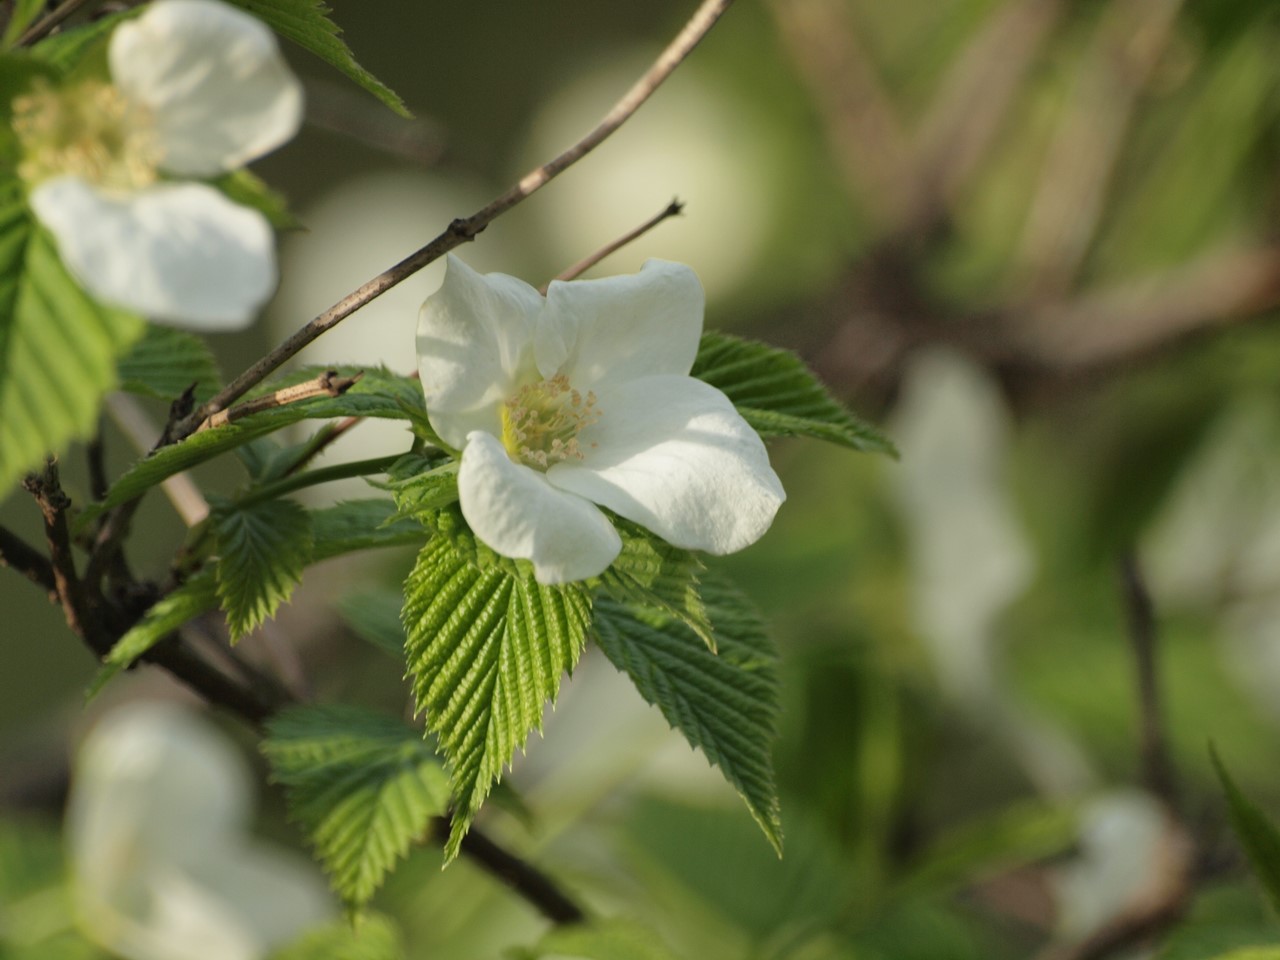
{"x": 1257, "y": 834}
{"x": 361, "y": 525}
{"x": 307, "y": 23}
{"x": 370, "y": 938}
{"x": 778, "y": 395}
{"x": 197, "y": 596}
{"x": 421, "y": 485}
{"x": 376, "y": 395}
{"x": 58, "y": 348}
{"x": 486, "y": 648}
{"x": 262, "y": 550}
{"x": 362, "y": 786}
{"x": 165, "y": 362}
{"x": 725, "y": 703}
{"x": 611, "y": 939}
{"x": 250, "y": 190}
{"x": 374, "y": 615}
{"x": 651, "y": 572}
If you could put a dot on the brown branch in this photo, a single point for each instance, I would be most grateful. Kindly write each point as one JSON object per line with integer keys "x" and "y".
{"x": 328, "y": 384}
{"x": 46, "y": 488}
{"x": 20, "y": 556}
{"x": 45, "y": 25}
{"x": 464, "y": 230}
{"x": 1157, "y": 764}
{"x": 673, "y": 209}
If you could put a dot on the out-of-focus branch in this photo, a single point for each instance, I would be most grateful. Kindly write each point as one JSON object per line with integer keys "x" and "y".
{"x": 20, "y": 556}
{"x": 873, "y": 151}
{"x": 1064, "y": 215}
{"x": 1157, "y": 764}
{"x": 45, "y": 25}
{"x": 181, "y": 490}
{"x": 464, "y": 230}
{"x": 975, "y": 98}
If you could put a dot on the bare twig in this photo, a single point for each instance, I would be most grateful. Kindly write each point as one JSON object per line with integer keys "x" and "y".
{"x": 328, "y": 384}
{"x": 464, "y": 230}
{"x": 673, "y": 209}
{"x": 862, "y": 125}
{"x": 46, "y": 24}
{"x": 20, "y": 556}
{"x": 1157, "y": 764}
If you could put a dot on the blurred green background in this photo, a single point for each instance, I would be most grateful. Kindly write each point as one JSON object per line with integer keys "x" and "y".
{"x": 1033, "y": 239}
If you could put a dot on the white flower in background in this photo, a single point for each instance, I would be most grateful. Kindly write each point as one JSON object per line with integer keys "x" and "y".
{"x": 162, "y": 865}
{"x": 582, "y": 398}
{"x": 198, "y": 88}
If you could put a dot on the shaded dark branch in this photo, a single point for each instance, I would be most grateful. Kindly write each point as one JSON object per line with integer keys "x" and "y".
{"x": 46, "y": 488}
{"x": 1157, "y": 764}
{"x": 20, "y": 556}
{"x": 464, "y": 230}
{"x": 46, "y": 24}
{"x": 524, "y": 878}
{"x": 673, "y": 209}
{"x": 95, "y": 454}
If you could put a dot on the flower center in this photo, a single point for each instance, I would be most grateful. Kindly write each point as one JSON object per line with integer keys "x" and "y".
{"x": 88, "y": 130}
{"x": 541, "y": 422}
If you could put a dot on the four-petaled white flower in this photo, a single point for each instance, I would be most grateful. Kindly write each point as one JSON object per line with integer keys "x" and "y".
{"x": 583, "y": 397}
{"x": 198, "y": 89}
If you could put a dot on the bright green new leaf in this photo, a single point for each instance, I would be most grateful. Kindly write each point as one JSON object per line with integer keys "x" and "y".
{"x": 58, "y": 348}
{"x": 1257, "y": 834}
{"x": 307, "y": 23}
{"x": 778, "y": 395}
{"x": 372, "y": 938}
{"x": 262, "y": 550}
{"x": 651, "y": 572}
{"x": 197, "y": 596}
{"x": 486, "y": 648}
{"x": 362, "y": 786}
{"x": 165, "y": 362}
{"x": 611, "y": 939}
{"x": 725, "y": 703}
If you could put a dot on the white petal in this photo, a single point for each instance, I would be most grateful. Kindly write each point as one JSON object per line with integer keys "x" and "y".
{"x": 673, "y": 455}
{"x": 473, "y": 348}
{"x": 622, "y": 328}
{"x": 515, "y": 511}
{"x": 179, "y": 252}
{"x": 213, "y": 78}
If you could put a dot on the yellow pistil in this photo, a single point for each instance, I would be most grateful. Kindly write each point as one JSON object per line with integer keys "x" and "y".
{"x": 88, "y": 130}
{"x": 541, "y": 422}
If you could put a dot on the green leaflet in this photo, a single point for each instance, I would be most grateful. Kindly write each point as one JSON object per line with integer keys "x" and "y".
{"x": 421, "y": 485}
{"x": 376, "y": 395}
{"x": 262, "y": 550}
{"x": 1256, "y": 833}
{"x": 486, "y": 647}
{"x": 778, "y": 395}
{"x": 725, "y": 703}
{"x": 58, "y": 348}
{"x": 164, "y": 362}
{"x": 362, "y": 786}
{"x": 652, "y": 572}
{"x": 198, "y": 595}
{"x": 307, "y": 23}
{"x": 373, "y": 938}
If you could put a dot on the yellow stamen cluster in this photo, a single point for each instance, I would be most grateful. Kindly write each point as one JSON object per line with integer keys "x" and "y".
{"x": 541, "y": 422}
{"x": 88, "y": 130}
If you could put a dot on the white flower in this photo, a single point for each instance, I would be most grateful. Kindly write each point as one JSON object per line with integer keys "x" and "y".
{"x": 162, "y": 866}
{"x": 198, "y": 89}
{"x": 582, "y": 398}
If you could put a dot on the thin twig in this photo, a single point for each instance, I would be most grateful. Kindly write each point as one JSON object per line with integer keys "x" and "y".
{"x": 95, "y": 453}
{"x": 45, "y": 25}
{"x": 465, "y": 230}
{"x": 181, "y": 490}
{"x": 673, "y": 209}
{"x": 20, "y": 556}
{"x": 328, "y": 384}
{"x": 1157, "y": 763}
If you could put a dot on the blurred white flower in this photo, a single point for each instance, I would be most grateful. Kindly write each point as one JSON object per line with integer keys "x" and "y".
{"x": 582, "y": 398}
{"x": 198, "y": 89}
{"x": 162, "y": 865}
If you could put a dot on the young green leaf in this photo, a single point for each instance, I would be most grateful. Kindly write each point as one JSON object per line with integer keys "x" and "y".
{"x": 165, "y": 362}
{"x": 262, "y": 550}
{"x": 651, "y": 572}
{"x": 421, "y": 485}
{"x": 373, "y": 938}
{"x": 725, "y": 703}
{"x": 1257, "y": 834}
{"x": 195, "y": 597}
{"x": 778, "y": 395}
{"x": 58, "y": 348}
{"x": 307, "y": 23}
{"x": 486, "y": 648}
{"x": 362, "y": 786}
